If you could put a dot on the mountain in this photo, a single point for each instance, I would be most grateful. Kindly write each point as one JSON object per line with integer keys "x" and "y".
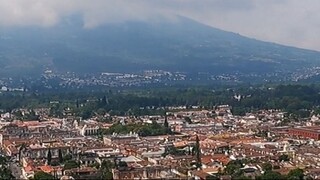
{"x": 183, "y": 45}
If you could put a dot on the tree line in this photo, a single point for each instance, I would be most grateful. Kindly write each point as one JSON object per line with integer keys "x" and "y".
{"x": 299, "y": 100}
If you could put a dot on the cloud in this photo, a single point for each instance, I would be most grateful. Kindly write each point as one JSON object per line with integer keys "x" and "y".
{"x": 291, "y": 22}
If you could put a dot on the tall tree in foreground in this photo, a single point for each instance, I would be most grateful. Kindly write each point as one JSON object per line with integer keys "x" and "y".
{"x": 198, "y": 153}
{"x": 60, "y": 156}
{"x": 49, "y": 157}
{"x": 21, "y": 148}
{"x": 166, "y": 124}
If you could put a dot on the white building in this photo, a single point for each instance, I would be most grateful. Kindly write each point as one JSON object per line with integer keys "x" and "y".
{"x": 89, "y": 129}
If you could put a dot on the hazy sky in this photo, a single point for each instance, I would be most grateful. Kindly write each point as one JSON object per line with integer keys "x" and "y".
{"x": 291, "y": 22}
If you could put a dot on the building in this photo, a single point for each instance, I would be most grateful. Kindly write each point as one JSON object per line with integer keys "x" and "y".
{"x": 312, "y": 132}
{"x": 89, "y": 129}
{"x": 120, "y": 139}
{"x": 149, "y": 172}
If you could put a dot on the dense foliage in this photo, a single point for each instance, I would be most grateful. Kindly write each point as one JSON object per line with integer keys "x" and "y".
{"x": 152, "y": 129}
{"x": 297, "y": 100}
{"x": 71, "y": 164}
{"x": 42, "y": 176}
{"x": 5, "y": 172}
{"x": 233, "y": 168}
{"x": 106, "y": 170}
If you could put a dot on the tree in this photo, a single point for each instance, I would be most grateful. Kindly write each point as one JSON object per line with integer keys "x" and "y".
{"x": 284, "y": 157}
{"x": 243, "y": 177}
{"x": 95, "y": 165}
{"x": 70, "y": 164}
{"x": 21, "y": 148}
{"x": 107, "y": 175}
{"x": 42, "y": 176}
{"x": 18, "y": 114}
{"x": 3, "y": 160}
{"x": 60, "y": 156}
{"x": 106, "y": 170}
{"x": 188, "y": 120}
{"x": 5, "y": 172}
{"x": 233, "y": 167}
{"x": 189, "y": 151}
{"x": 49, "y": 157}
{"x": 101, "y": 111}
{"x": 153, "y": 129}
{"x": 77, "y": 103}
{"x": 107, "y": 165}
{"x": 211, "y": 177}
{"x": 31, "y": 116}
{"x": 67, "y": 157}
{"x": 122, "y": 164}
{"x": 86, "y": 113}
{"x": 276, "y": 167}
{"x": 166, "y": 124}
{"x": 295, "y": 174}
{"x": 198, "y": 153}
{"x": 55, "y": 163}
{"x": 174, "y": 151}
{"x": 271, "y": 175}
{"x": 267, "y": 167}
{"x": 103, "y": 101}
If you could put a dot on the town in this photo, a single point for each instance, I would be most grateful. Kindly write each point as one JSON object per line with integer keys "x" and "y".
{"x": 183, "y": 143}
{"x": 159, "y": 89}
{"x": 51, "y": 80}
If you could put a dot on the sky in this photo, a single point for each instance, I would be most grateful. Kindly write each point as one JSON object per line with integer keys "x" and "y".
{"x": 289, "y": 22}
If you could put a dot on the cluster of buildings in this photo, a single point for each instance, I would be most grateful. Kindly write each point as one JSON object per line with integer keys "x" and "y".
{"x": 144, "y": 78}
{"x": 255, "y": 139}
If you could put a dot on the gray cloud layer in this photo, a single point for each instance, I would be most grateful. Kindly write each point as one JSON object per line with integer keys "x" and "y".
{"x": 292, "y": 22}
